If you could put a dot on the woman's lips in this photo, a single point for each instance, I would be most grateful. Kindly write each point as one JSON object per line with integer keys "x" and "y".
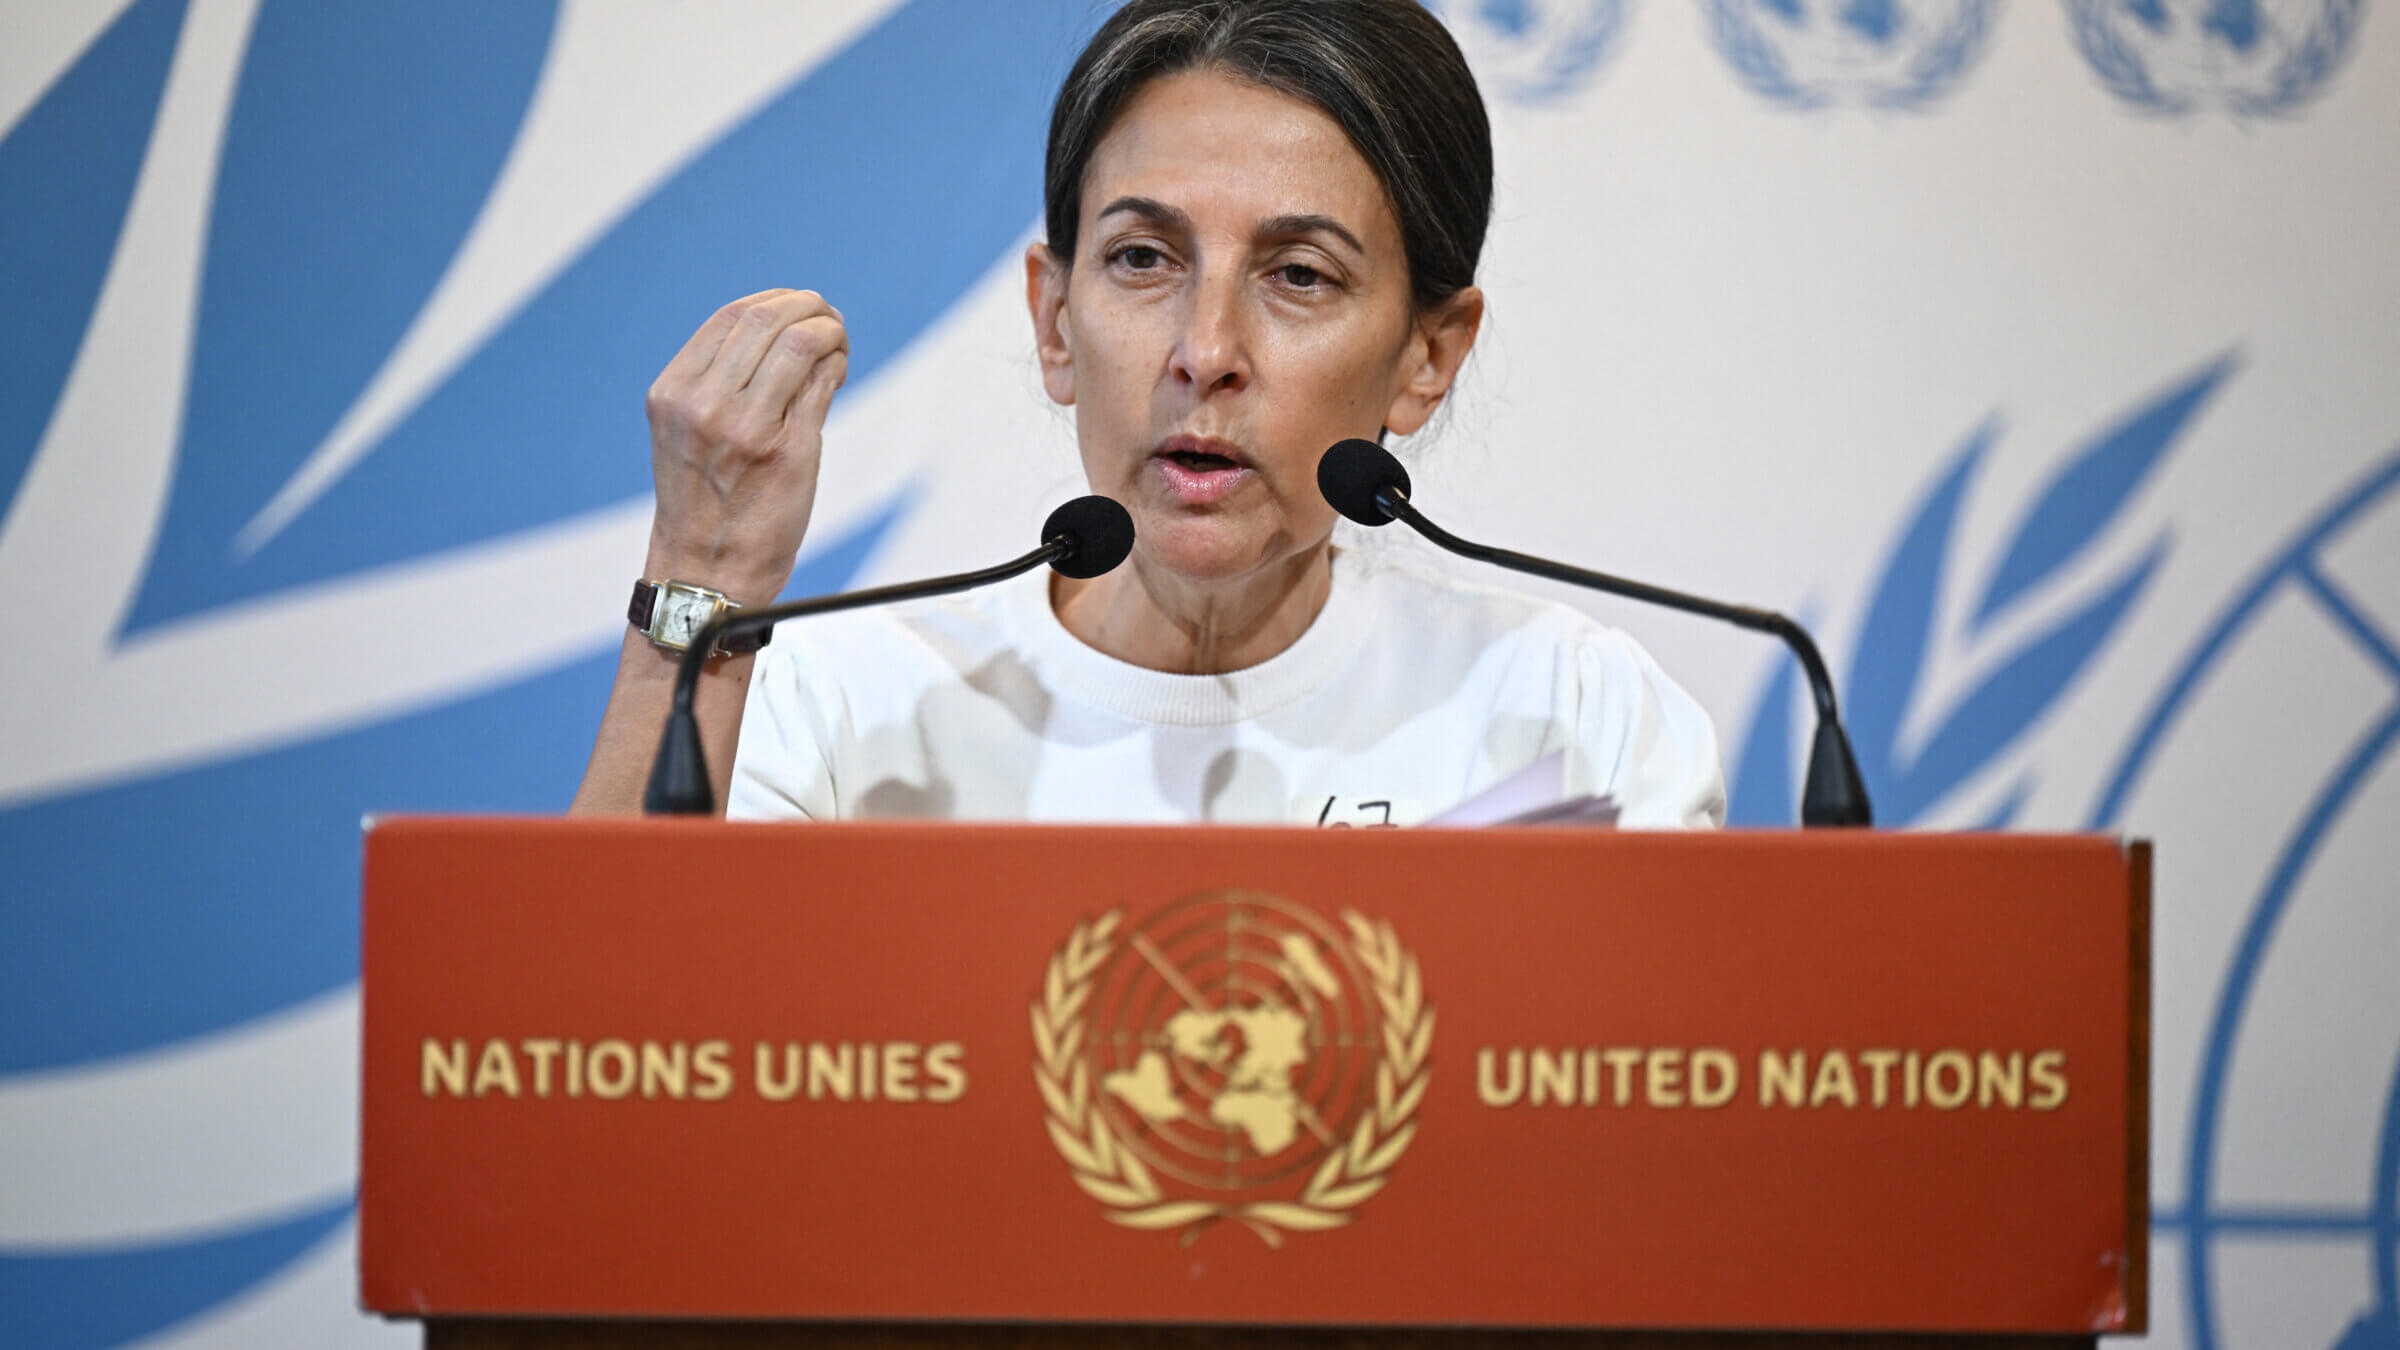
{"x": 1199, "y": 471}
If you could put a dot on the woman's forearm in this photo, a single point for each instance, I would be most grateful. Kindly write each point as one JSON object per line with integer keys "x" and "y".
{"x": 637, "y": 709}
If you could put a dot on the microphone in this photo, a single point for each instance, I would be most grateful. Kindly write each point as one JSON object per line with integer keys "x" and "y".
{"x": 1364, "y": 482}
{"x": 1081, "y": 539}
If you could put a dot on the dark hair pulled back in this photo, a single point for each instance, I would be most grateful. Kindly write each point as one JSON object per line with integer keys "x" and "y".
{"x": 1386, "y": 71}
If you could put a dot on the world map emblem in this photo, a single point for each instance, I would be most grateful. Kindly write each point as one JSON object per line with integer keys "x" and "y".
{"x": 2249, "y": 58}
{"x": 1234, "y": 1056}
{"x": 1891, "y": 54}
{"x": 1535, "y": 52}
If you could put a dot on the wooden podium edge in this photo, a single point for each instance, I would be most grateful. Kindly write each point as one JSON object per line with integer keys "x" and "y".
{"x": 602, "y": 1334}
{"x": 2137, "y": 1088}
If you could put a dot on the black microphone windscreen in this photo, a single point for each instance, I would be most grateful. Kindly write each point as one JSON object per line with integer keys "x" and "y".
{"x": 1352, "y": 472}
{"x": 1098, "y": 531}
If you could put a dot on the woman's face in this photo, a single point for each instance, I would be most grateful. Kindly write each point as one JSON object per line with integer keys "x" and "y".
{"x": 1239, "y": 300}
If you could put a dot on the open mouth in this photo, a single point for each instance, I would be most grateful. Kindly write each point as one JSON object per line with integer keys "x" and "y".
{"x": 1200, "y": 461}
{"x": 1197, "y": 475}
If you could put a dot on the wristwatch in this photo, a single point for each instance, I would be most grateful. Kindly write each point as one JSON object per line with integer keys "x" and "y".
{"x": 672, "y": 613}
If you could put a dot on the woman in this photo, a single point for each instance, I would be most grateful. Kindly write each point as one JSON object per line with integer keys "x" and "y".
{"x": 1263, "y": 218}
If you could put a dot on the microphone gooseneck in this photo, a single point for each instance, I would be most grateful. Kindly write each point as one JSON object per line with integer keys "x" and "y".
{"x": 1082, "y": 539}
{"x": 1364, "y": 482}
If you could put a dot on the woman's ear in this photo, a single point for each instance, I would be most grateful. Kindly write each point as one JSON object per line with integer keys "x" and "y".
{"x": 1046, "y": 296}
{"x": 1438, "y": 344}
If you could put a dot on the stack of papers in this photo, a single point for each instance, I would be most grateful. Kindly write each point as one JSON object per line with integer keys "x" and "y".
{"x": 1533, "y": 795}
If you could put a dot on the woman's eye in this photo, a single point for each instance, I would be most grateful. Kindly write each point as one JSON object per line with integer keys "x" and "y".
{"x": 1301, "y": 276}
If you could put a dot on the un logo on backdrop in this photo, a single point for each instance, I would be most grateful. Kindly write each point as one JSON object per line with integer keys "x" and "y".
{"x": 1535, "y": 51}
{"x": 2250, "y": 58}
{"x": 315, "y": 178}
{"x": 1914, "y": 769}
{"x": 2240, "y": 1227}
{"x": 2244, "y": 1228}
{"x": 1901, "y": 54}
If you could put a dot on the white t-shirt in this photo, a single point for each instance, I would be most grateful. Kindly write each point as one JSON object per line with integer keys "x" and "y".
{"x": 1411, "y": 692}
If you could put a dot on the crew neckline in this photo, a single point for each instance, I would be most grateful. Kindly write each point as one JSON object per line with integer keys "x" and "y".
{"x": 1165, "y": 697}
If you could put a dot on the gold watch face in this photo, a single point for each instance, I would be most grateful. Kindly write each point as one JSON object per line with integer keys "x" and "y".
{"x": 682, "y": 613}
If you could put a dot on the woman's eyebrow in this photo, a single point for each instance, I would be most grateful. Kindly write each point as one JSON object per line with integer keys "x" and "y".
{"x": 1283, "y": 227}
{"x": 1275, "y": 227}
{"x": 1150, "y": 209}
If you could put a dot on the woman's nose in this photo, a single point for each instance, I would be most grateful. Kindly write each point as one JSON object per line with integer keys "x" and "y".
{"x": 1212, "y": 353}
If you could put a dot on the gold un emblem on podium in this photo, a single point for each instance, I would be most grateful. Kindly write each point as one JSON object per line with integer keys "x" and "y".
{"x": 1232, "y": 1057}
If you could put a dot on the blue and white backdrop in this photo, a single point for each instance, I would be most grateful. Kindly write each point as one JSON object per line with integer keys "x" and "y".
{"x": 2046, "y": 355}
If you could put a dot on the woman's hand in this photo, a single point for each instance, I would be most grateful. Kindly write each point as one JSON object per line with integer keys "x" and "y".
{"x": 737, "y": 425}
{"x": 737, "y": 421}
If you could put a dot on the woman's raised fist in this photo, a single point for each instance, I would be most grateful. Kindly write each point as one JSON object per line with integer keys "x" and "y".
{"x": 737, "y": 425}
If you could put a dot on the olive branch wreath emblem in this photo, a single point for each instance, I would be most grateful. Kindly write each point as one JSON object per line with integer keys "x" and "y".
{"x": 1111, "y": 1173}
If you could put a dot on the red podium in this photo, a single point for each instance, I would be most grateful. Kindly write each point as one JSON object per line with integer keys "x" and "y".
{"x": 683, "y": 1083}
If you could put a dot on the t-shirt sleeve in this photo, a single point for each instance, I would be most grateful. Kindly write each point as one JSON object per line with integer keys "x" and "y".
{"x": 783, "y": 766}
{"x": 1649, "y": 744}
